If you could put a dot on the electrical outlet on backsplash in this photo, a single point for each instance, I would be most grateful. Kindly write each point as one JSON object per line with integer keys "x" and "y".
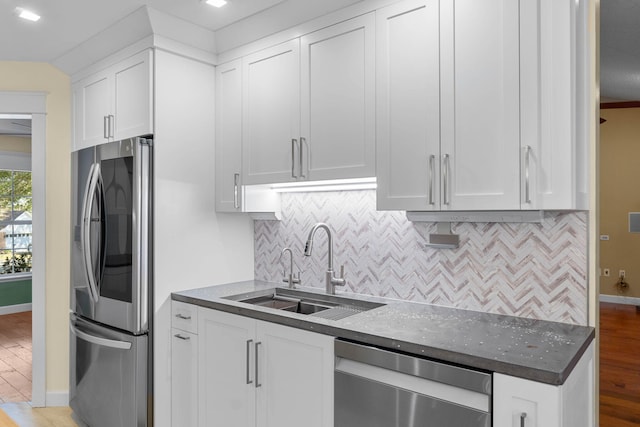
{"x": 521, "y": 269}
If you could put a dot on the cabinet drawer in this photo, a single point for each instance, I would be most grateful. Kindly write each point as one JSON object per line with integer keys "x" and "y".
{"x": 184, "y": 316}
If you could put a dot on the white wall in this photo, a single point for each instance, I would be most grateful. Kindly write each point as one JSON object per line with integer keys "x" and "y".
{"x": 194, "y": 246}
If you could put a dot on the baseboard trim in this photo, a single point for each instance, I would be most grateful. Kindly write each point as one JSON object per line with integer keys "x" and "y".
{"x": 619, "y": 299}
{"x": 18, "y": 308}
{"x": 57, "y": 398}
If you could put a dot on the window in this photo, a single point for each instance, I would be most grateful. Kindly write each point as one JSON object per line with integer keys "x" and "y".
{"x": 15, "y": 221}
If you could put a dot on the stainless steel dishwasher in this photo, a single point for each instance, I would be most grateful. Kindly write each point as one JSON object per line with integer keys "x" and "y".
{"x": 380, "y": 388}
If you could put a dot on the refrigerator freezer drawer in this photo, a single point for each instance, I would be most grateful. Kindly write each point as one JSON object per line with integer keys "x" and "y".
{"x": 108, "y": 371}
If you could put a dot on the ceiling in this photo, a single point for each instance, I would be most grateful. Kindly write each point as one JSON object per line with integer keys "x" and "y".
{"x": 65, "y": 24}
{"x": 620, "y": 49}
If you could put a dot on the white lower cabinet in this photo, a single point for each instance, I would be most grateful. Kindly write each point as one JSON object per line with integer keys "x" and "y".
{"x": 523, "y": 403}
{"x": 255, "y": 373}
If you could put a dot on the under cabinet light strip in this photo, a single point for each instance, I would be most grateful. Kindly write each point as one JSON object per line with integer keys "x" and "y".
{"x": 336, "y": 185}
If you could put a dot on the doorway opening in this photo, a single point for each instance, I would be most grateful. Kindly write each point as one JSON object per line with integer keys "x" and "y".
{"x": 619, "y": 268}
{"x": 16, "y": 248}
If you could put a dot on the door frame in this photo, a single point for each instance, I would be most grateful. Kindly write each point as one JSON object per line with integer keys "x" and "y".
{"x": 34, "y": 104}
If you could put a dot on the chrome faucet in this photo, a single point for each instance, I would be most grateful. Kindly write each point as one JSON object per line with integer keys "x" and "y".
{"x": 291, "y": 278}
{"x": 331, "y": 281}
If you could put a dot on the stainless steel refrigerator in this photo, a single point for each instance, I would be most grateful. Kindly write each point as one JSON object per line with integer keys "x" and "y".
{"x": 111, "y": 285}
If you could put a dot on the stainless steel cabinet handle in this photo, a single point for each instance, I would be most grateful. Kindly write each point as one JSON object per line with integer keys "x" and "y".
{"x": 249, "y": 381}
{"x": 112, "y": 120}
{"x": 183, "y": 317}
{"x": 522, "y": 417}
{"x": 105, "y": 126}
{"x": 182, "y": 337}
{"x": 527, "y": 157}
{"x": 257, "y": 358}
{"x": 432, "y": 159}
{"x": 303, "y": 141}
{"x": 294, "y": 142}
{"x": 236, "y": 200}
{"x": 445, "y": 177}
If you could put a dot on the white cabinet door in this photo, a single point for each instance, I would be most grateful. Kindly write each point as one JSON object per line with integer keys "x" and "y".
{"x": 226, "y": 385}
{"x": 408, "y": 106}
{"x": 132, "y": 97}
{"x": 480, "y": 133}
{"x": 338, "y": 101}
{"x": 92, "y": 106}
{"x": 554, "y": 167}
{"x": 229, "y": 137}
{"x": 184, "y": 378}
{"x": 115, "y": 103}
{"x": 254, "y": 373}
{"x": 295, "y": 376}
{"x": 271, "y": 114}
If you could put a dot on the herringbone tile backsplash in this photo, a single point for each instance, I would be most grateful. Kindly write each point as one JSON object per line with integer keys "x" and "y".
{"x": 530, "y": 270}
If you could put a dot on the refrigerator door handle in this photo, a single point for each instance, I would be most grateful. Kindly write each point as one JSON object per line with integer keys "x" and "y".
{"x": 85, "y": 230}
{"x": 144, "y": 235}
{"x": 105, "y": 342}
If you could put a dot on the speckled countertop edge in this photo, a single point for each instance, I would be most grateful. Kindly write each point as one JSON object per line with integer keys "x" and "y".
{"x": 532, "y": 349}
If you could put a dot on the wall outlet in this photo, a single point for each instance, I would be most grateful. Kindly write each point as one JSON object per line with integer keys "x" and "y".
{"x": 622, "y": 274}
{"x": 606, "y": 272}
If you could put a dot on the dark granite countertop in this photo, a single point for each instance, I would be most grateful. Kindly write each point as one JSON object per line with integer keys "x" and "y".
{"x": 532, "y": 349}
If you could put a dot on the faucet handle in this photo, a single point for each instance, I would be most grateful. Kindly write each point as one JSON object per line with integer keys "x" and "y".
{"x": 339, "y": 281}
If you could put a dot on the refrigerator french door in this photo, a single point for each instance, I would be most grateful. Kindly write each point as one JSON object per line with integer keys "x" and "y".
{"x": 110, "y": 325}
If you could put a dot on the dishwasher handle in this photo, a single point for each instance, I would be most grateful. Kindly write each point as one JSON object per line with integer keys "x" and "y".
{"x": 456, "y": 376}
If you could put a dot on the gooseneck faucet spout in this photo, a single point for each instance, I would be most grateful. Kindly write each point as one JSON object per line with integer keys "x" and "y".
{"x": 331, "y": 281}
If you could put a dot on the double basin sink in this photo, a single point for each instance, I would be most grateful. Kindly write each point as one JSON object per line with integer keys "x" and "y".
{"x": 308, "y": 303}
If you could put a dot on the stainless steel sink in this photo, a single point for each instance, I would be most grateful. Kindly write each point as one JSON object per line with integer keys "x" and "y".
{"x": 294, "y": 300}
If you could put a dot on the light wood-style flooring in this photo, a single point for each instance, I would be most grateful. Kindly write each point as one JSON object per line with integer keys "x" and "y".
{"x": 619, "y": 365}
{"x": 25, "y": 416}
{"x": 15, "y": 357}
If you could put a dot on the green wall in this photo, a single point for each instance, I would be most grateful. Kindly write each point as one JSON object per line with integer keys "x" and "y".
{"x": 18, "y": 292}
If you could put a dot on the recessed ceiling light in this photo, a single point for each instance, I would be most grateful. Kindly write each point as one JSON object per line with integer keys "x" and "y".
{"x": 27, "y": 14}
{"x": 216, "y": 3}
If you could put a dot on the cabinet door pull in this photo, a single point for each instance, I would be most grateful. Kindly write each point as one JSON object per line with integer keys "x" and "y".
{"x": 183, "y": 317}
{"x": 527, "y": 158}
{"x": 249, "y": 381}
{"x": 105, "y": 126}
{"x": 303, "y": 141}
{"x": 257, "y": 358}
{"x": 432, "y": 159}
{"x": 112, "y": 120}
{"x": 445, "y": 177}
{"x": 182, "y": 337}
{"x": 236, "y": 199}
{"x": 294, "y": 142}
{"x": 522, "y": 417}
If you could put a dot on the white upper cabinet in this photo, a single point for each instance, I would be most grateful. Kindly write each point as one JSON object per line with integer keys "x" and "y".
{"x": 229, "y": 187}
{"x": 271, "y": 114}
{"x": 309, "y": 106}
{"x": 480, "y": 104}
{"x": 338, "y": 101}
{"x": 553, "y": 107}
{"x": 115, "y": 103}
{"x": 408, "y": 106}
{"x": 448, "y": 102}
